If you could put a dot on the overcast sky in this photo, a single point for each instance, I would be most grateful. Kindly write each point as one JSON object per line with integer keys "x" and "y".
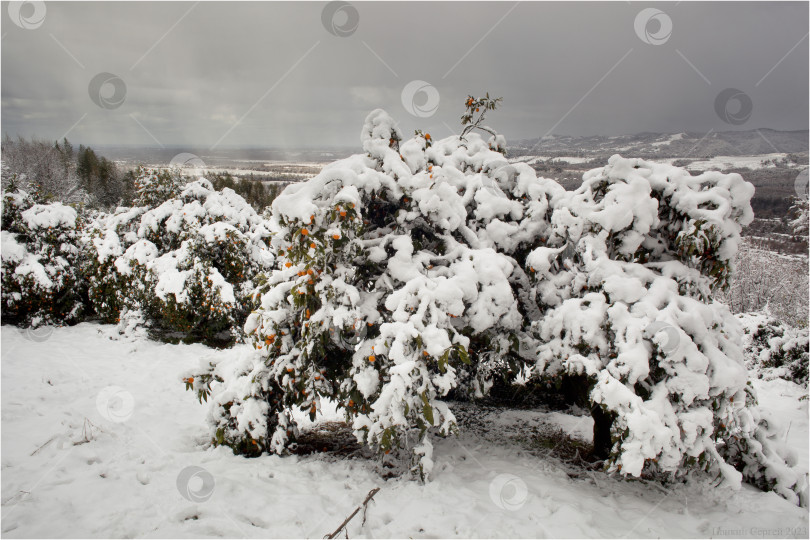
{"x": 219, "y": 74}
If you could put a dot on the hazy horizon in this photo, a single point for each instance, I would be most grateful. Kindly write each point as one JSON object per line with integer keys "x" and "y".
{"x": 355, "y": 146}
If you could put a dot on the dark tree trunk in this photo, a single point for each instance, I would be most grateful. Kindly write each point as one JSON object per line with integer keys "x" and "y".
{"x": 602, "y": 421}
{"x": 576, "y": 389}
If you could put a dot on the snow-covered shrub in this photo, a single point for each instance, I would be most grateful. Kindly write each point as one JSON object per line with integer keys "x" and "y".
{"x": 380, "y": 286}
{"x": 110, "y": 290}
{"x": 153, "y": 187}
{"x": 41, "y": 284}
{"x": 774, "y": 349}
{"x": 187, "y": 264}
{"x": 630, "y": 306}
{"x": 188, "y": 295}
{"x": 424, "y": 267}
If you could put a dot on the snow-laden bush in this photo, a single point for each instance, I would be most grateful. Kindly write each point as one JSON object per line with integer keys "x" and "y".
{"x": 630, "y": 306}
{"x": 421, "y": 268}
{"x": 40, "y": 281}
{"x": 774, "y": 349}
{"x": 187, "y": 265}
{"x": 104, "y": 239}
{"x": 153, "y": 187}
{"x": 381, "y": 283}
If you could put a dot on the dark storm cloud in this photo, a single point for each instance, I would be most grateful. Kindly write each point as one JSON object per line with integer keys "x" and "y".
{"x": 270, "y": 74}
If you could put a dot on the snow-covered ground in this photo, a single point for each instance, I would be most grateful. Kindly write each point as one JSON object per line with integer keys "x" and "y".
{"x": 100, "y": 439}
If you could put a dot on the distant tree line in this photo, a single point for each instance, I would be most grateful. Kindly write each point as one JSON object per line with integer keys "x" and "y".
{"x": 104, "y": 182}
{"x": 258, "y": 194}
{"x": 770, "y": 206}
{"x": 59, "y": 172}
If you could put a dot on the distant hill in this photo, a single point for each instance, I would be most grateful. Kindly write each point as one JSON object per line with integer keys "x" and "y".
{"x": 664, "y": 145}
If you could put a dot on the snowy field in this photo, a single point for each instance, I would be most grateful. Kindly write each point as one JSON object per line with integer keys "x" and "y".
{"x": 98, "y": 434}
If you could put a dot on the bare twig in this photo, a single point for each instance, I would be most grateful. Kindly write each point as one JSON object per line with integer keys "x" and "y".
{"x": 348, "y": 519}
{"x": 480, "y": 106}
{"x": 43, "y": 445}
